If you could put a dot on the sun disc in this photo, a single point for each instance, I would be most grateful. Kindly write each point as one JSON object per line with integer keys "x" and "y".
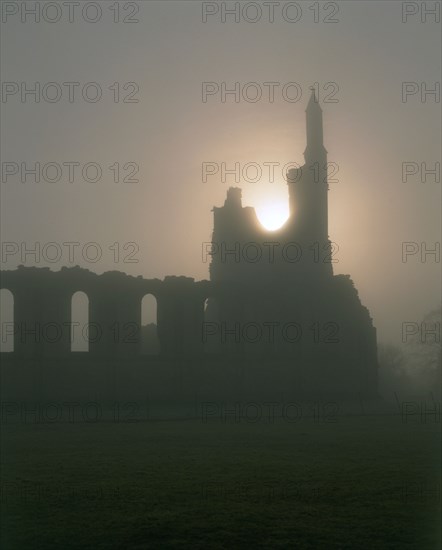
{"x": 272, "y": 216}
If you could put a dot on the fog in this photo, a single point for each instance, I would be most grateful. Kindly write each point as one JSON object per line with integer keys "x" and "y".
{"x": 360, "y": 61}
{"x": 179, "y": 370}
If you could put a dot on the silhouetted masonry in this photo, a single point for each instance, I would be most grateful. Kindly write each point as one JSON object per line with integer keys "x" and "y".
{"x": 323, "y": 331}
{"x": 286, "y": 276}
{"x": 43, "y": 301}
{"x": 272, "y": 301}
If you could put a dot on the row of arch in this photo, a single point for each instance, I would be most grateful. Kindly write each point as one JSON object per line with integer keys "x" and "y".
{"x": 80, "y": 329}
{"x": 80, "y": 323}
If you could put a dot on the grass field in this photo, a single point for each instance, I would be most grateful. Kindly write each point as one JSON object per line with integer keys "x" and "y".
{"x": 359, "y": 482}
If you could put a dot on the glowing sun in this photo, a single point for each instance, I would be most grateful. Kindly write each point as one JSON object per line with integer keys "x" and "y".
{"x": 272, "y": 215}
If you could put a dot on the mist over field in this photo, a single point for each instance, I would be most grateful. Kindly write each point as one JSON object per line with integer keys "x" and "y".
{"x": 376, "y": 70}
{"x": 220, "y": 299}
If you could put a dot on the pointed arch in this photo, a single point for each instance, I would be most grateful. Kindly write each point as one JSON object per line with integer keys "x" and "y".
{"x": 150, "y": 343}
{"x": 211, "y": 333}
{"x": 80, "y": 322}
{"x": 6, "y": 320}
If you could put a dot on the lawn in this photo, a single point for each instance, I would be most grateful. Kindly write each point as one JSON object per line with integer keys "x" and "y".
{"x": 354, "y": 482}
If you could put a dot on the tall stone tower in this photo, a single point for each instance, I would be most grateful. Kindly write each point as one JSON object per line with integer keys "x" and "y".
{"x": 276, "y": 294}
{"x": 298, "y": 251}
{"x": 308, "y": 186}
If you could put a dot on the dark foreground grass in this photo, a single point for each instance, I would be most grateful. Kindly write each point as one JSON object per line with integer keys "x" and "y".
{"x": 361, "y": 482}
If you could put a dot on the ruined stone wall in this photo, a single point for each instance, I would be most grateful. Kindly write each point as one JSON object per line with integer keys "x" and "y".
{"x": 317, "y": 336}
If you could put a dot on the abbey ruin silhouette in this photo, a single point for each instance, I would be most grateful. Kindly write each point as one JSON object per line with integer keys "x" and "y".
{"x": 272, "y": 318}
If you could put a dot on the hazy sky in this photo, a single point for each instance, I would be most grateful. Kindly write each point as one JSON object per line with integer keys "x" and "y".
{"x": 370, "y": 131}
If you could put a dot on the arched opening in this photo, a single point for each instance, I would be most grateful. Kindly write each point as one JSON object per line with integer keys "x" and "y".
{"x": 7, "y": 320}
{"x": 79, "y": 322}
{"x": 150, "y": 343}
{"x": 211, "y": 329}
